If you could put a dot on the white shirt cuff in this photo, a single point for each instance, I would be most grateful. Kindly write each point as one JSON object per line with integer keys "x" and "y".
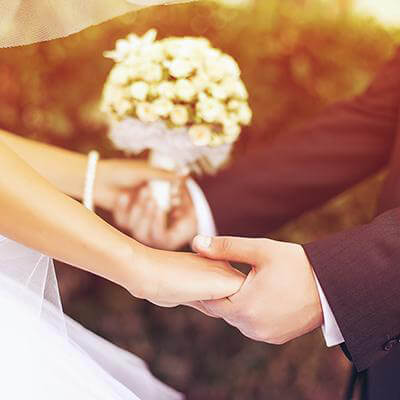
{"x": 205, "y": 219}
{"x": 330, "y": 328}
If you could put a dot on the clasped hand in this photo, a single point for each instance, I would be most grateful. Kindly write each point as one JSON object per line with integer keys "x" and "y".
{"x": 279, "y": 299}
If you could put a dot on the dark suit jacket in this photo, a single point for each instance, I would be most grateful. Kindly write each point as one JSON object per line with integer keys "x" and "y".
{"x": 359, "y": 270}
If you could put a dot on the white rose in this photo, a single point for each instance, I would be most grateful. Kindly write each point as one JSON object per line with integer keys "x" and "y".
{"x": 234, "y": 105}
{"x": 201, "y": 43}
{"x": 162, "y": 107}
{"x": 133, "y": 60}
{"x": 212, "y": 53}
{"x": 149, "y": 37}
{"x": 122, "y": 49}
{"x": 171, "y": 47}
{"x": 200, "y": 134}
{"x": 240, "y": 91}
{"x": 179, "y": 115}
{"x": 200, "y": 82}
{"x": 122, "y": 45}
{"x": 228, "y": 84}
{"x": 185, "y": 90}
{"x": 219, "y": 92}
{"x": 153, "y": 52}
{"x": 244, "y": 114}
{"x": 153, "y": 90}
{"x": 166, "y": 89}
{"x": 193, "y": 48}
{"x": 145, "y": 113}
{"x": 203, "y": 97}
{"x": 232, "y": 117}
{"x": 181, "y": 48}
{"x": 229, "y": 65}
{"x": 231, "y": 131}
{"x": 111, "y": 94}
{"x": 122, "y": 107}
{"x": 185, "y": 49}
{"x": 120, "y": 75}
{"x": 180, "y": 68}
{"x": 139, "y": 90}
{"x": 151, "y": 72}
{"x": 134, "y": 40}
{"x": 210, "y": 110}
{"x": 214, "y": 69}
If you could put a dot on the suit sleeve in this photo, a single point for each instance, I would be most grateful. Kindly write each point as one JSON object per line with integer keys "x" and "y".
{"x": 359, "y": 272}
{"x": 303, "y": 169}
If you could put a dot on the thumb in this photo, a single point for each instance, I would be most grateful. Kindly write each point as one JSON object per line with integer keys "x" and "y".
{"x": 237, "y": 249}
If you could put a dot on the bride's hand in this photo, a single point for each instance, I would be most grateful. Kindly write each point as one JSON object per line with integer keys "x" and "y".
{"x": 170, "y": 278}
{"x": 117, "y": 176}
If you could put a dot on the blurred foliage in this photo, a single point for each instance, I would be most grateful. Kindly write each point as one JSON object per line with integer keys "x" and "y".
{"x": 296, "y": 56}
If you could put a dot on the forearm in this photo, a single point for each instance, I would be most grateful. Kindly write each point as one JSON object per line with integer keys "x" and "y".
{"x": 38, "y": 215}
{"x": 298, "y": 172}
{"x": 301, "y": 170}
{"x": 63, "y": 168}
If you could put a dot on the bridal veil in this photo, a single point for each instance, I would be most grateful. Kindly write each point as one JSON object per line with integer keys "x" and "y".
{"x": 24, "y": 22}
{"x": 46, "y": 355}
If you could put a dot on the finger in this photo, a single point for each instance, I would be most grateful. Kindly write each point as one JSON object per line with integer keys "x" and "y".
{"x": 159, "y": 226}
{"x": 196, "y": 278}
{"x": 179, "y": 192}
{"x": 223, "y": 308}
{"x": 135, "y": 217}
{"x": 136, "y": 211}
{"x": 165, "y": 304}
{"x": 181, "y": 231}
{"x": 197, "y": 305}
{"x": 244, "y": 250}
{"x": 143, "y": 217}
{"x": 121, "y": 209}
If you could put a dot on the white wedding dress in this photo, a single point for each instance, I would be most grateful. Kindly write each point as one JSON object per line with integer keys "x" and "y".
{"x": 45, "y": 355}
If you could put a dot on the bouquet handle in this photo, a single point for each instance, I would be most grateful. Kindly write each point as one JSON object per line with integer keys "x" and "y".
{"x": 161, "y": 190}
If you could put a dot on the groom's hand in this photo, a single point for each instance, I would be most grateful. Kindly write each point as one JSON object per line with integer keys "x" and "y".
{"x": 279, "y": 300}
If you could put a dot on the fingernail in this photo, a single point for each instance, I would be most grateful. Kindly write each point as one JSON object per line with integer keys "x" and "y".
{"x": 123, "y": 200}
{"x": 202, "y": 242}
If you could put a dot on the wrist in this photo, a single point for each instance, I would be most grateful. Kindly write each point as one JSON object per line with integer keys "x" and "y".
{"x": 104, "y": 193}
{"x": 135, "y": 269}
{"x": 125, "y": 264}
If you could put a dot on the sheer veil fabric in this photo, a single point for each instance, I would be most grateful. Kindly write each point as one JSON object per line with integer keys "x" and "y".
{"x": 46, "y": 355}
{"x": 24, "y": 22}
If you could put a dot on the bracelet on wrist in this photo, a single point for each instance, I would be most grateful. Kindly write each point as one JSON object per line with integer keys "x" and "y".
{"x": 88, "y": 192}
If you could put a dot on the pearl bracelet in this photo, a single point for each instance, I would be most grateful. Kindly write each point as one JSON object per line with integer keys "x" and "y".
{"x": 93, "y": 158}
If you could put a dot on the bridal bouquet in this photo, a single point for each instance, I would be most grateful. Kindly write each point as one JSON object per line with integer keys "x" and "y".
{"x": 180, "y": 98}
